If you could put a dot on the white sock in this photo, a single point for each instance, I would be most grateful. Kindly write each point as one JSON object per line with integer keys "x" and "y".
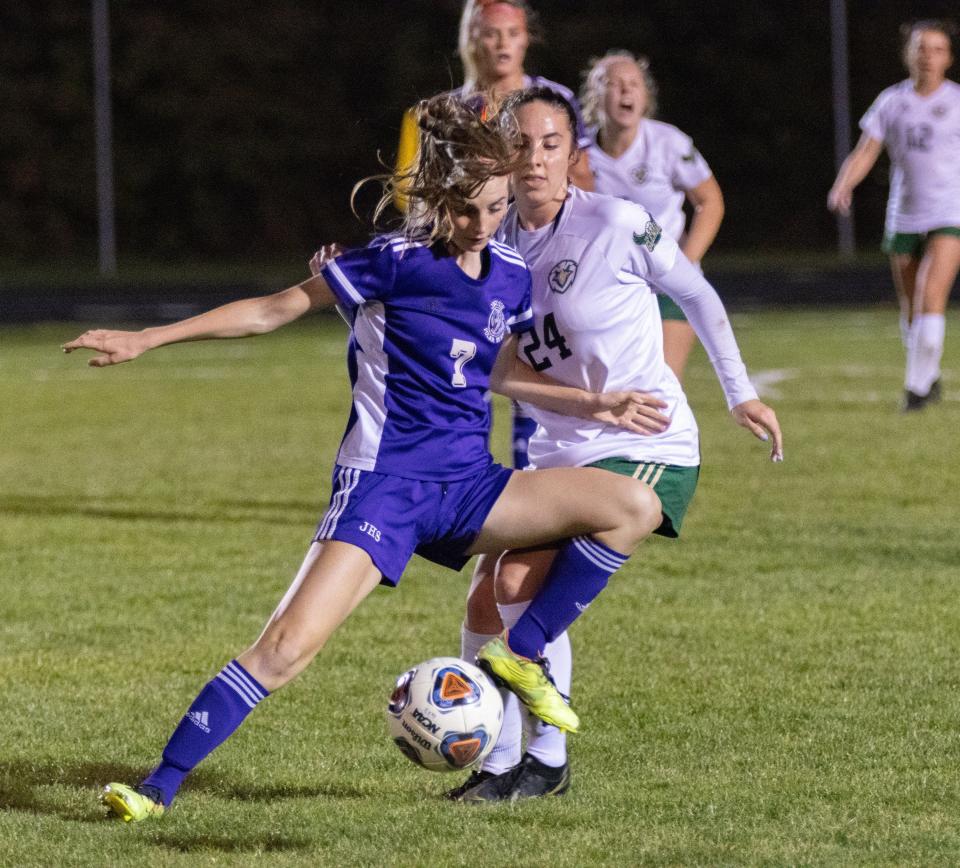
{"x": 547, "y": 743}
{"x": 506, "y": 752}
{"x": 924, "y": 352}
{"x": 904, "y": 331}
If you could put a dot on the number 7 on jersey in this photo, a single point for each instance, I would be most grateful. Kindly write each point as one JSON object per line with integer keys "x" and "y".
{"x": 461, "y": 351}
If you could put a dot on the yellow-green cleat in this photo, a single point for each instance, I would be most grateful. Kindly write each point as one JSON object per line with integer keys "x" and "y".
{"x": 528, "y": 680}
{"x": 129, "y": 804}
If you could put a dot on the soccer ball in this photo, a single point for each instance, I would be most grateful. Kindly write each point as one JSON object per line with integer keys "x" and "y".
{"x": 445, "y": 714}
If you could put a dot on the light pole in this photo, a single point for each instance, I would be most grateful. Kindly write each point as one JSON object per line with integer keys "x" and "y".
{"x": 846, "y": 245}
{"x": 103, "y": 125}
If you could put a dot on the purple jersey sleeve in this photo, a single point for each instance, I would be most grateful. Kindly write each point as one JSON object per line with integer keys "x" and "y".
{"x": 522, "y": 321}
{"x": 362, "y": 275}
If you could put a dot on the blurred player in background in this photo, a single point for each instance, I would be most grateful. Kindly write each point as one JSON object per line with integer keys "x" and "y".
{"x": 493, "y": 42}
{"x": 918, "y": 122}
{"x": 652, "y": 163}
{"x": 434, "y": 314}
{"x": 596, "y": 262}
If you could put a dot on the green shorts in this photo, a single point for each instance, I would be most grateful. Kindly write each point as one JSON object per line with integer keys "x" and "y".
{"x": 674, "y": 486}
{"x": 913, "y": 243}
{"x": 669, "y": 309}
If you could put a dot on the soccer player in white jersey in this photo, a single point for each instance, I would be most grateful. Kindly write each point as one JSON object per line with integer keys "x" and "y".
{"x": 918, "y": 122}
{"x": 596, "y": 263}
{"x": 434, "y": 314}
{"x": 650, "y": 162}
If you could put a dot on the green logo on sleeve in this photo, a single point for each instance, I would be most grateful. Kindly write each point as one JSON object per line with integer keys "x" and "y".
{"x": 651, "y": 235}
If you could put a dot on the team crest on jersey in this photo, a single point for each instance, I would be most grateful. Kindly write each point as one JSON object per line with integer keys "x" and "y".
{"x": 562, "y": 275}
{"x": 639, "y": 174}
{"x": 496, "y": 328}
{"x": 651, "y": 235}
{"x": 939, "y": 111}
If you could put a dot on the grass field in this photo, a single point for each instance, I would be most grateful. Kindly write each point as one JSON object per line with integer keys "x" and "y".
{"x": 778, "y": 687}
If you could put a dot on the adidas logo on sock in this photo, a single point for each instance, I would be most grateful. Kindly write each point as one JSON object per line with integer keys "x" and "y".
{"x": 199, "y": 718}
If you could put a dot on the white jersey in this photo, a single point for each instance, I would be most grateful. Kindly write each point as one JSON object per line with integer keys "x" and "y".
{"x": 922, "y": 137}
{"x": 597, "y": 327}
{"x": 656, "y": 171}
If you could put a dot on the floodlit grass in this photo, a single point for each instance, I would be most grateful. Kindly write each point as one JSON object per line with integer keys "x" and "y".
{"x": 778, "y": 687}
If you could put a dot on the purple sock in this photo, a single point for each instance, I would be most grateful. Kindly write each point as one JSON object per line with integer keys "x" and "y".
{"x": 217, "y": 711}
{"x": 580, "y": 571}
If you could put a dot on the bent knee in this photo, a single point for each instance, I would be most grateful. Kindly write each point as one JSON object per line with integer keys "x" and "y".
{"x": 279, "y": 656}
{"x": 642, "y": 509}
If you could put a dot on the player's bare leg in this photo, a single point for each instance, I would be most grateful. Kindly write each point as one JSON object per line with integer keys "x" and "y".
{"x": 563, "y": 502}
{"x": 334, "y": 579}
{"x": 482, "y": 615}
{"x": 937, "y": 273}
{"x": 934, "y": 278}
{"x": 903, "y": 268}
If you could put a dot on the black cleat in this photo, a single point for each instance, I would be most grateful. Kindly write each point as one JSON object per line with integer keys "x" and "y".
{"x": 477, "y": 776}
{"x": 531, "y": 779}
{"x": 536, "y": 779}
{"x": 496, "y": 788}
{"x": 912, "y": 401}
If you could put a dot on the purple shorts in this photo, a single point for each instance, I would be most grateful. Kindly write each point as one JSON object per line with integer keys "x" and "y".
{"x": 392, "y": 518}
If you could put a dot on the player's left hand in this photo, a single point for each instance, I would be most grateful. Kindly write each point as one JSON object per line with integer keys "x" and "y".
{"x": 761, "y": 421}
{"x": 638, "y": 412}
{"x": 323, "y": 256}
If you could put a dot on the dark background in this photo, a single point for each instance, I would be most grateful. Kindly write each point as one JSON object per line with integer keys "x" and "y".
{"x": 240, "y": 127}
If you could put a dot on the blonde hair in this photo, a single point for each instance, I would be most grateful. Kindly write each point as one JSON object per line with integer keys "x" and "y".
{"x": 594, "y": 86}
{"x": 459, "y": 152}
{"x": 467, "y": 39}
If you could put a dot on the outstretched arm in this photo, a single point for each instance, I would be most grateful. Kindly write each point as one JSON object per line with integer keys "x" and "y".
{"x": 852, "y": 172}
{"x": 703, "y": 308}
{"x": 249, "y": 316}
{"x": 635, "y": 411}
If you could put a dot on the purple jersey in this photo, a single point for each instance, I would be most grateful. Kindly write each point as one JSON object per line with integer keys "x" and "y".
{"x": 424, "y": 340}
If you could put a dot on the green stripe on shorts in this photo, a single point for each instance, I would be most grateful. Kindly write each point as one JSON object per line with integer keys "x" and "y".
{"x": 669, "y": 309}
{"x": 674, "y": 486}
{"x": 913, "y": 243}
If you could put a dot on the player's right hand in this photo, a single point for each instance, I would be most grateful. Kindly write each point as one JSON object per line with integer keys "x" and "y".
{"x": 839, "y": 200}
{"x": 323, "y": 256}
{"x": 113, "y": 347}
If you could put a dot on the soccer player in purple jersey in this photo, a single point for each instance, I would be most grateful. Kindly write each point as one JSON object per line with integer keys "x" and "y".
{"x": 434, "y": 314}
{"x": 493, "y": 41}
